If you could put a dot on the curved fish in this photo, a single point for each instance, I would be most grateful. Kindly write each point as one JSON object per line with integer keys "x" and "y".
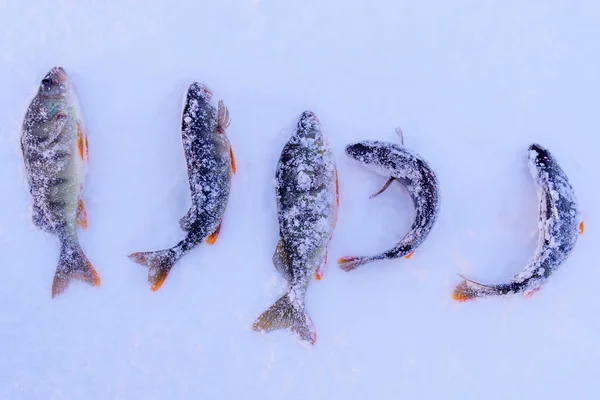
{"x": 307, "y": 203}
{"x": 210, "y": 166}
{"x": 559, "y": 226}
{"x": 55, "y": 151}
{"x": 402, "y": 165}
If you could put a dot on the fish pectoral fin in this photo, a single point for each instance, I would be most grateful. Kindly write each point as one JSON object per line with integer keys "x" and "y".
{"x": 223, "y": 120}
{"x": 81, "y": 215}
{"x": 409, "y": 255}
{"x": 233, "y": 169}
{"x": 60, "y": 121}
{"x": 186, "y": 222}
{"x": 532, "y": 292}
{"x": 281, "y": 261}
{"x": 581, "y": 228}
{"x": 82, "y": 144}
{"x": 215, "y": 235}
{"x": 384, "y": 188}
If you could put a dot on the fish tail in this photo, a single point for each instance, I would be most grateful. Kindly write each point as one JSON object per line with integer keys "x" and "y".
{"x": 159, "y": 263}
{"x": 73, "y": 264}
{"x": 469, "y": 289}
{"x": 287, "y": 313}
{"x": 349, "y": 263}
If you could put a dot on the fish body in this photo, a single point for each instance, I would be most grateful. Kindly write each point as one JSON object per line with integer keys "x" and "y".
{"x": 559, "y": 227}
{"x": 307, "y": 203}
{"x": 210, "y": 166}
{"x": 399, "y": 164}
{"x": 55, "y": 153}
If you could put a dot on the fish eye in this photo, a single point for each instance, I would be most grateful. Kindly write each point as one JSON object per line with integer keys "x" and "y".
{"x": 47, "y": 82}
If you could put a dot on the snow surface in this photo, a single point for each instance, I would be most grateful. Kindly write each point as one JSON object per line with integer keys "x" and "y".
{"x": 471, "y": 84}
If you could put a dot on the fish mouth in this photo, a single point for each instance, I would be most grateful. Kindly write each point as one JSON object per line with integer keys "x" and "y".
{"x": 357, "y": 150}
{"x": 536, "y": 152}
{"x": 308, "y": 121}
{"x": 200, "y": 90}
{"x": 59, "y": 75}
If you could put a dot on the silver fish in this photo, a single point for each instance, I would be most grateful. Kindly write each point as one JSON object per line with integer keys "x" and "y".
{"x": 559, "y": 227}
{"x": 412, "y": 171}
{"x": 307, "y": 203}
{"x": 55, "y": 151}
{"x": 210, "y": 166}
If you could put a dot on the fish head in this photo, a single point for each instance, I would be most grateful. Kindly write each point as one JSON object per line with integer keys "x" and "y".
{"x": 197, "y": 97}
{"x": 539, "y": 156}
{"x": 55, "y": 85}
{"x": 364, "y": 152}
{"x": 309, "y": 127}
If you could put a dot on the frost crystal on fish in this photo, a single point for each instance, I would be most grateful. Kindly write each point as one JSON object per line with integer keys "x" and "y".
{"x": 557, "y": 208}
{"x": 210, "y": 169}
{"x": 558, "y": 230}
{"x": 396, "y": 162}
{"x": 306, "y": 196}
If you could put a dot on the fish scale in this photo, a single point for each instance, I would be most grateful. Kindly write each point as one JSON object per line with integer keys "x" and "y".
{"x": 210, "y": 166}
{"x": 559, "y": 227}
{"x": 306, "y": 194}
{"x": 52, "y": 143}
{"x": 399, "y": 164}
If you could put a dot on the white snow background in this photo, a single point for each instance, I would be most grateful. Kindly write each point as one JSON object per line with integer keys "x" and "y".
{"x": 471, "y": 83}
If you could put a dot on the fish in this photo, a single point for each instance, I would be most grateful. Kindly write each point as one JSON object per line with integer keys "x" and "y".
{"x": 409, "y": 169}
{"x": 559, "y": 227}
{"x": 210, "y": 166}
{"x": 55, "y": 152}
{"x": 307, "y": 194}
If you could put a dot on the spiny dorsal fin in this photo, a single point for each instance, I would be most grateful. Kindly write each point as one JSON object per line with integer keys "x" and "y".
{"x": 400, "y": 135}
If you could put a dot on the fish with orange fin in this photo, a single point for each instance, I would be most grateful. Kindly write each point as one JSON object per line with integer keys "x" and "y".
{"x": 54, "y": 147}
{"x": 210, "y": 166}
{"x": 397, "y": 163}
{"x": 559, "y": 227}
{"x": 307, "y": 202}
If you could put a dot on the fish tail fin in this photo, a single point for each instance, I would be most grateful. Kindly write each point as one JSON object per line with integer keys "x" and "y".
{"x": 159, "y": 264}
{"x": 469, "y": 289}
{"x": 73, "y": 264}
{"x": 349, "y": 263}
{"x": 287, "y": 313}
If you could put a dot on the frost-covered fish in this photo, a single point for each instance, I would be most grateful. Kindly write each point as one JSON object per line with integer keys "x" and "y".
{"x": 55, "y": 151}
{"x": 559, "y": 226}
{"x": 210, "y": 166}
{"x": 307, "y": 202}
{"x": 399, "y": 164}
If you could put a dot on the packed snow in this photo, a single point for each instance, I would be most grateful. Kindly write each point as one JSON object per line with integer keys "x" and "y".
{"x": 472, "y": 84}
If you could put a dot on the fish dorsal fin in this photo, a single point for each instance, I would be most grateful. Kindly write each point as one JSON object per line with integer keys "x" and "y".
{"x": 400, "y": 135}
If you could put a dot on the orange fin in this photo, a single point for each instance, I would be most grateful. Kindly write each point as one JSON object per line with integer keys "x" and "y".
{"x": 81, "y": 215}
{"x": 213, "y": 237}
{"x": 321, "y": 268}
{"x": 73, "y": 264}
{"x": 159, "y": 263}
{"x": 337, "y": 189}
{"x": 81, "y": 142}
{"x": 532, "y": 292}
{"x": 581, "y": 228}
{"x": 232, "y": 159}
{"x": 409, "y": 255}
